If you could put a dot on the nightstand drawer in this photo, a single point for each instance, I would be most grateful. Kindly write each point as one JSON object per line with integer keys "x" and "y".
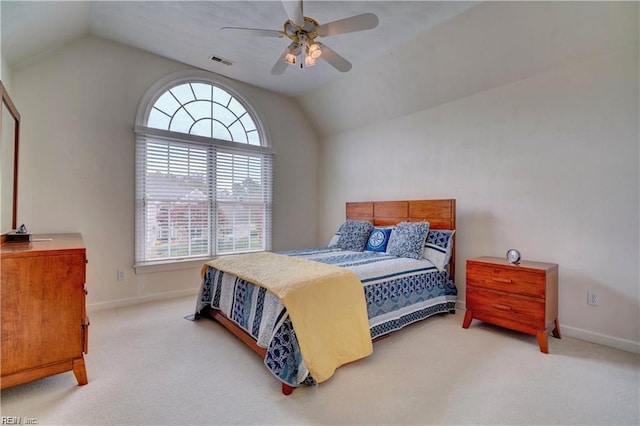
{"x": 506, "y": 278}
{"x": 487, "y": 305}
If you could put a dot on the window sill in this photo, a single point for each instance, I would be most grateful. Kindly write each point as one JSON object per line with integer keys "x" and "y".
{"x": 177, "y": 265}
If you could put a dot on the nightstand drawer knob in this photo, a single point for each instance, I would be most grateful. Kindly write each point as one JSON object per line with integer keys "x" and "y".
{"x": 502, "y": 280}
{"x": 502, "y": 307}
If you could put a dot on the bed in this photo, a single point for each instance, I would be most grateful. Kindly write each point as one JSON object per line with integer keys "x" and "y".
{"x": 397, "y": 290}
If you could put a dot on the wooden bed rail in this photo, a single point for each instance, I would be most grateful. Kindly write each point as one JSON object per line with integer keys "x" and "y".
{"x": 242, "y": 335}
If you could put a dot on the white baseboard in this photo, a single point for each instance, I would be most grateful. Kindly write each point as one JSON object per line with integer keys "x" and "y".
{"x": 601, "y": 339}
{"x": 129, "y": 301}
{"x": 461, "y": 304}
{"x": 587, "y": 335}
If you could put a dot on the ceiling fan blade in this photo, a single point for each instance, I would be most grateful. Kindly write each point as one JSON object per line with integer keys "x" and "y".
{"x": 280, "y": 66}
{"x": 366, "y": 21}
{"x": 252, "y": 32}
{"x": 335, "y": 60}
{"x": 294, "y": 11}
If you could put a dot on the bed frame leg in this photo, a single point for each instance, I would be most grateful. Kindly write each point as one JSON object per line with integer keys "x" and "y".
{"x": 286, "y": 389}
{"x": 452, "y": 311}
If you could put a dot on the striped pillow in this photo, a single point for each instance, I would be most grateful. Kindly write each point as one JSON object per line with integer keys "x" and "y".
{"x": 438, "y": 247}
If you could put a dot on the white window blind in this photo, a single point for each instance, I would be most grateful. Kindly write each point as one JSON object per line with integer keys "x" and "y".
{"x": 196, "y": 196}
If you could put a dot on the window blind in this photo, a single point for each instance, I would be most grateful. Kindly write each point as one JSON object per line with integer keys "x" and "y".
{"x": 198, "y": 198}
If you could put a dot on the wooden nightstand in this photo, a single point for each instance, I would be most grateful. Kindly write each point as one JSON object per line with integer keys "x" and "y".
{"x": 522, "y": 297}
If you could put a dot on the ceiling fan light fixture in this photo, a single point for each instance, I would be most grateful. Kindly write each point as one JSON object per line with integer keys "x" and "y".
{"x": 309, "y": 61}
{"x": 314, "y": 51}
{"x": 290, "y": 58}
{"x": 294, "y": 49}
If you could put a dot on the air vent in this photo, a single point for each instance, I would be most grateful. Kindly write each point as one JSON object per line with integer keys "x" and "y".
{"x": 223, "y": 61}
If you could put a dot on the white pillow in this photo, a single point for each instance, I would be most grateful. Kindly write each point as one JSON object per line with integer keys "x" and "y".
{"x": 333, "y": 242}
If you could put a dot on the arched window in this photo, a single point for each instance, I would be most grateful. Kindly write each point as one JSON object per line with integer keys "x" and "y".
{"x": 203, "y": 174}
{"x": 205, "y": 110}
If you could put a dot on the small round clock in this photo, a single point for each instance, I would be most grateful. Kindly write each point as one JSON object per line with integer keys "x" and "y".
{"x": 513, "y": 256}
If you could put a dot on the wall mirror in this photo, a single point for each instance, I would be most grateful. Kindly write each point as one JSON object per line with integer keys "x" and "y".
{"x": 10, "y": 132}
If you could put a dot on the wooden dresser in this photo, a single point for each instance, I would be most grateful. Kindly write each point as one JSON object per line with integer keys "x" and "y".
{"x": 44, "y": 322}
{"x": 522, "y": 297}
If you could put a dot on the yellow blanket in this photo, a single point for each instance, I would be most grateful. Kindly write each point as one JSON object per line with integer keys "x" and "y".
{"x": 326, "y": 304}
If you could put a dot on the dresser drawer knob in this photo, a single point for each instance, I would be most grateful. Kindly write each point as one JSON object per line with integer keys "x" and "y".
{"x": 502, "y": 280}
{"x": 502, "y": 307}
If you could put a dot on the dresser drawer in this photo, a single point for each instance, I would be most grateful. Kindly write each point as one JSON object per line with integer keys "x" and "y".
{"x": 487, "y": 305}
{"x": 506, "y": 278}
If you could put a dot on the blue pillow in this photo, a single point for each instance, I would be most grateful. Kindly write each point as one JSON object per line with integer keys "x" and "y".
{"x": 438, "y": 247}
{"x": 379, "y": 239}
{"x": 354, "y": 235}
{"x": 407, "y": 239}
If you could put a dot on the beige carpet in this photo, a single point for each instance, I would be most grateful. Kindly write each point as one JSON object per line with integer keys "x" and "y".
{"x": 148, "y": 365}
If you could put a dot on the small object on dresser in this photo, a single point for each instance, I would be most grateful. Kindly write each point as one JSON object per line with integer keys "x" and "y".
{"x": 513, "y": 256}
{"x": 21, "y": 235}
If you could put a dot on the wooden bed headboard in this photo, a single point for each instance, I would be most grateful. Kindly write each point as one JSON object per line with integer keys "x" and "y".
{"x": 441, "y": 214}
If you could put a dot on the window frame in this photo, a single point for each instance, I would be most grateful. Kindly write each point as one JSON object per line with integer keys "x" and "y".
{"x": 142, "y": 130}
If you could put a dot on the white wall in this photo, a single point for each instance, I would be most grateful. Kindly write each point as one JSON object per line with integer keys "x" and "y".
{"x": 5, "y": 74}
{"x": 547, "y": 163}
{"x": 77, "y": 161}
{"x": 2, "y": 62}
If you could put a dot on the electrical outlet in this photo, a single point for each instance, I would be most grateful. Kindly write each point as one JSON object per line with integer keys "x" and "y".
{"x": 121, "y": 275}
{"x": 593, "y": 298}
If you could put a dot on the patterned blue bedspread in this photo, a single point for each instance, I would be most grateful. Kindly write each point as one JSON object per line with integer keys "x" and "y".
{"x": 399, "y": 291}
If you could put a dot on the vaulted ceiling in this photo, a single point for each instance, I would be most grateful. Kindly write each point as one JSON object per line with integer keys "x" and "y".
{"x": 189, "y": 32}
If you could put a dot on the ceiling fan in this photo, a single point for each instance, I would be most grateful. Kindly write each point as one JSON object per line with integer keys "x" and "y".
{"x": 303, "y": 32}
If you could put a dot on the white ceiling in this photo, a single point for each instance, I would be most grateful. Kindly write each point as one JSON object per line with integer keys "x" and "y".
{"x": 189, "y": 32}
